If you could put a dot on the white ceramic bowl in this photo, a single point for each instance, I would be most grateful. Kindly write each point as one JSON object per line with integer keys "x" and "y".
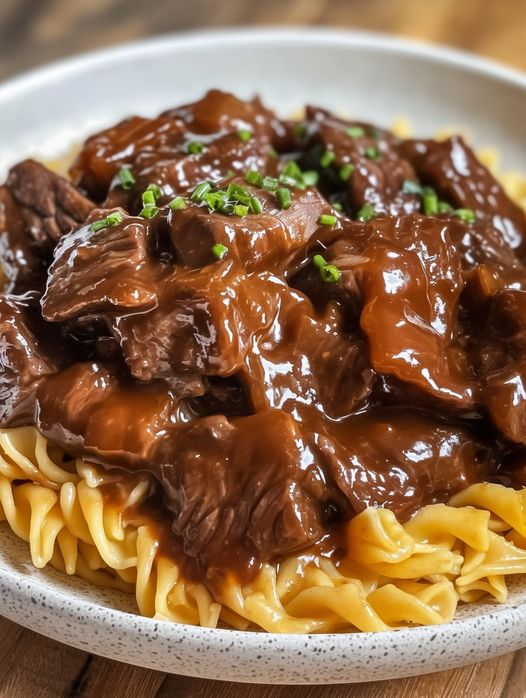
{"x": 375, "y": 78}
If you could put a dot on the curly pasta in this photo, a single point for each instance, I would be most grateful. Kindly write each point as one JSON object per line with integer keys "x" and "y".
{"x": 393, "y": 575}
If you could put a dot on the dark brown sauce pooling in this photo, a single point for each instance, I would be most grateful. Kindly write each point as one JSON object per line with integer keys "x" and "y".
{"x": 269, "y": 398}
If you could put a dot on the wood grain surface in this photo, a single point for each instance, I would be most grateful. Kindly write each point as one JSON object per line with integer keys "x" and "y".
{"x": 33, "y": 32}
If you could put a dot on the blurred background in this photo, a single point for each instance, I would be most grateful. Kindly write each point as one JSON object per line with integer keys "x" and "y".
{"x": 33, "y": 32}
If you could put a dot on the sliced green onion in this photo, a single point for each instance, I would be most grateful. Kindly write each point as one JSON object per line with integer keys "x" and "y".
{"x": 111, "y": 219}
{"x": 319, "y": 261}
{"x": 149, "y": 212}
{"x": 310, "y": 178}
{"x": 355, "y": 131}
{"x": 327, "y": 157}
{"x": 126, "y": 178}
{"x": 444, "y": 207}
{"x": 330, "y": 274}
{"x": 288, "y": 181}
{"x": 195, "y": 147}
{"x": 254, "y": 177}
{"x": 270, "y": 183}
{"x": 148, "y": 198}
{"x": 327, "y": 219}
{"x": 284, "y": 198}
{"x": 429, "y": 201}
{"x": 366, "y": 213}
{"x": 410, "y": 187}
{"x": 200, "y": 191}
{"x": 255, "y": 205}
{"x": 155, "y": 189}
{"x": 346, "y": 171}
{"x": 337, "y": 206}
{"x": 238, "y": 193}
{"x": 292, "y": 169}
{"x": 465, "y": 214}
{"x": 219, "y": 250}
{"x": 372, "y": 153}
{"x": 177, "y": 203}
{"x": 98, "y": 225}
{"x": 244, "y": 134}
{"x": 240, "y": 210}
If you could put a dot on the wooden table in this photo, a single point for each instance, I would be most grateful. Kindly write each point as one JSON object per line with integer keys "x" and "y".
{"x": 32, "y": 33}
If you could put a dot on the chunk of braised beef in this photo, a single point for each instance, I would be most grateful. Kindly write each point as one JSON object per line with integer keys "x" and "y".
{"x": 452, "y": 168}
{"x": 237, "y": 488}
{"x": 101, "y": 271}
{"x": 23, "y": 361}
{"x": 50, "y": 206}
{"x": 204, "y": 321}
{"x": 159, "y": 150}
{"x": 258, "y": 241}
{"x": 364, "y": 164}
{"x": 401, "y": 459}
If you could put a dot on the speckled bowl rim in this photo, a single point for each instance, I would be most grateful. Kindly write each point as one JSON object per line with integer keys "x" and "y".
{"x": 270, "y": 658}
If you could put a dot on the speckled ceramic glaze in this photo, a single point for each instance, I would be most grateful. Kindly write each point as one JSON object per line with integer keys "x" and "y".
{"x": 375, "y": 79}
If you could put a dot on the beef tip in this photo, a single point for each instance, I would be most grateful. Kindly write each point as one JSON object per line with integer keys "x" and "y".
{"x": 260, "y": 241}
{"x": 101, "y": 270}
{"x": 157, "y": 150}
{"x": 307, "y": 361}
{"x": 237, "y": 488}
{"x": 401, "y": 460}
{"x": 23, "y": 362}
{"x": 204, "y": 322}
{"x": 49, "y": 204}
{"x": 376, "y": 171}
{"x": 90, "y": 408}
{"x": 407, "y": 274}
{"x": 452, "y": 168}
{"x": 22, "y": 264}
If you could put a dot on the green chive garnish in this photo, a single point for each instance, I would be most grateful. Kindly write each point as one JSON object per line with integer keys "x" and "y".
{"x": 270, "y": 183}
{"x": 200, "y": 191}
{"x": 337, "y": 206}
{"x": 254, "y": 177}
{"x": 429, "y": 201}
{"x": 444, "y": 207}
{"x": 148, "y": 198}
{"x": 372, "y": 153}
{"x": 111, "y": 219}
{"x": 465, "y": 214}
{"x": 149, "y": 212}
{"x": 244, "y": 134}
{"x": 327, "y": 219}
{"x": 155, "y": 190}
{"x": 98, "y": 225}
{"x": 327, "y": 157}
{"x": 177, "y": 203}
{"x": 255, "y": 205}
{"x": 310, "y": 178}
{"x": 126, "y": 178}
{"x": 355, "y": 131}
{"x": 284, "y": 198}
{"x": 240, "y": 210}
{"x": 366, "y": 213}
{"x": 328, "y": 272}
{"x": 195, "y": 147}
{"x": 410, "y": 187}
{"x": 346, "y": 171}
{"x": 219, "y": 250}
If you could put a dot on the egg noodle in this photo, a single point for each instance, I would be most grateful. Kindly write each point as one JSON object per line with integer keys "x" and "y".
{"x": 394, "y": 575}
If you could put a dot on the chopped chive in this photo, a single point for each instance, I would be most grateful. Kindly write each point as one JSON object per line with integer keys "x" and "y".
{"x": 237, "y": 192}
{"x": 429, "y": 201}
{"x": 355, "y": 131}
{"x": 289, "y": 181}
{"x": 194, "y": 147}
{"x": 149, "y": 212}
{"x": 410, "y": 187}
{"x": 270, "y": 183}
{"x": 330, "y": 274}
{"x": 230, "y": 173}
{"x": 177, "y": 203}
{"x": 327, "y": 157}
{"x": 126, "y": 178}
{"x": 155, "y": 189}
{"x": 98, "y": 225}
{"x": 244, "y": 134}
{"x": 346, "y": 171}
{"x": 254, "y": 177}
{"x": 337, "y": 206}
{"x": 284, "y": 198}
{"x": 292, "y": 169}
{"x": 148, "y": 198}
{"x": 319, "y": 261}
{"x": 255, "y": 205}
{"x": 372, "y": 153}
{"x": 327, "y": 219}
{"x": 219, "y": 250}
{"x": 240, "y": 210}
{"x": 199, "y": 192}
{"x": 366, "y": 213}
{"x": 444, "y": 207}
{"x": 310, "y": 178}
{"x": 299, "y": 130}
{"x": 465, "y": 214}
{"x": 114, "y": 218}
